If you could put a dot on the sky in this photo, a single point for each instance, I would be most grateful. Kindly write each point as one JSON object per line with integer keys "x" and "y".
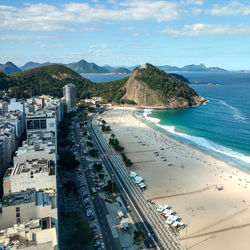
{"x": 127, "y": 32}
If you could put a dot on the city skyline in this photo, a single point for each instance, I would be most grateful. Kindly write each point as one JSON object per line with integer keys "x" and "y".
{"x": 127, "y": 32}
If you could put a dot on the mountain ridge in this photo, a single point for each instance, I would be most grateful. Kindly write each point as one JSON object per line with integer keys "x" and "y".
{"x": 9, "y": 68}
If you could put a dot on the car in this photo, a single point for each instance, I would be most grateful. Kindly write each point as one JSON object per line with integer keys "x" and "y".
{"x": 149, "y": 235}
{"x": 92, "y": 218}
{"x": 93, "y": 225}
{"x": 102, "y": 245}
{"x": 100, "y": 235}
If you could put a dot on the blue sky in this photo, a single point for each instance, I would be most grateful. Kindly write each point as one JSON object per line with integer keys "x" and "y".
{"x": 129, "y": 32}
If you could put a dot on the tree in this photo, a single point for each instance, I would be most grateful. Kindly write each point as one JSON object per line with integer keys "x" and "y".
{"x": 67, "y": 160}
{"x": 101, "y": 176}
{"x": 110, "y": 187}
{"x": 93, "y": 152}
{"x": 66, "y": 143}
{"x": 89, "y": 143}
{"x": 98, "y": 167}
{"x": 76, "y": 228}
{"x": 138, "y": 237}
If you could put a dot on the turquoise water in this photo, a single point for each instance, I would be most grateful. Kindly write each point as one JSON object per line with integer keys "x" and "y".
{"x": 221, "y": 127}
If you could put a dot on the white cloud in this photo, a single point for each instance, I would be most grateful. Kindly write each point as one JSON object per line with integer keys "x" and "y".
{"x": 43, "y": 46}
{"x": 208, "y": 29}
{"x": 196, "y": 11}
{"x": 194, "y": 2}
{"x": 47, "y": 17}
{"x": 233, "y": 8}
{"x": 136, "y": 34}
{"x": 128, "y": 28}
{"x": 21, "y": 37}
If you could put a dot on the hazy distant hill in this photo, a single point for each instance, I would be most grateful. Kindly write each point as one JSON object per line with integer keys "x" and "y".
{"x": 9, "y": 68}
{"x": 108, "y": 67}
{"x": 31, "y": 65}
{"x": 121, "y": 70}
{"x": 192, "y": 67}
{"x": 84, "y": 67}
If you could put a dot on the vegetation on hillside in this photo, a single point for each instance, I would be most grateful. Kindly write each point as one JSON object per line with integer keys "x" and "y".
{"x": 51, "y": 79}
{"x": 111, "y": 91}
{"x": 167, "y": 86}
{"x": 45, "y": 80}
{"x": 6, "y": 81}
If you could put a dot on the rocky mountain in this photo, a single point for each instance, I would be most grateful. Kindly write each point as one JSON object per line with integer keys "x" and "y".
{"x": 84, "y": 67}
{"x": 9, "y": 68}
{"x": 192, "y": 67}
{"x": 151, "y": 87}
{"x": 31, "y": 65}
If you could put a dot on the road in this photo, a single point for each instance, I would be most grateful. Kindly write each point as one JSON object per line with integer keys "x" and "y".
{"x": 99, "y": 206}
{"x": 151, "y": 220}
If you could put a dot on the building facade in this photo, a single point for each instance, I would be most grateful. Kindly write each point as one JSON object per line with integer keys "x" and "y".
{"x": 69, "y": 93}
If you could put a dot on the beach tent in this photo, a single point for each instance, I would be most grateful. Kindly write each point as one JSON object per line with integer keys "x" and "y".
{"x": 175, "y": 224}
{"x": 132, "y": 174}
{"x": 160, "y": 209}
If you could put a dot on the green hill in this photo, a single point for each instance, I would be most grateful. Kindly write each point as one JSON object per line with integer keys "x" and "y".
{"x": 6, "y": 81}
{"x": 147, "y": 86}
{"x": 45, "y": 80}
{"x": 51, "y": 79}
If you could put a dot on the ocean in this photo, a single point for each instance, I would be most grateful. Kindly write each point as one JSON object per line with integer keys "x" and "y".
{"x": 221, "y": 127}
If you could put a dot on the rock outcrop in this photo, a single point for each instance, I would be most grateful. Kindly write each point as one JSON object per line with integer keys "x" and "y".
{"x": 150, "y": 87}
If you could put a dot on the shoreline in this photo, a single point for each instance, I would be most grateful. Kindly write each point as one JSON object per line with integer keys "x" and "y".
{"x": 189, "y": 185}
{"x": 205, "y": 151}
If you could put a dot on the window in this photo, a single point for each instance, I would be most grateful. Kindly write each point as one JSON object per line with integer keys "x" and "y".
{"x": 36, "y": 124}
{"x": 29, "y": 124}
{"x": 18, "y": 215}
{"x": 18, "y": 220}
{"x": 17, "y": 209}
{"x": 43, "y": 124}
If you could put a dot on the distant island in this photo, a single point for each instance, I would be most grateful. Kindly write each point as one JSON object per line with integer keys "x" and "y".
{"x": 203, "y": 83}
{"x": 192, "y": 68}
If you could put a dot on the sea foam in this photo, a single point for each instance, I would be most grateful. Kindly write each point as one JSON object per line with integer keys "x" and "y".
{"x": 200, "y": 141}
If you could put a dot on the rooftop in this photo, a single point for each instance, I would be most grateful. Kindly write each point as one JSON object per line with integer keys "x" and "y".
{"x": 24, "y": 197}
{"x": 32, "y": 167}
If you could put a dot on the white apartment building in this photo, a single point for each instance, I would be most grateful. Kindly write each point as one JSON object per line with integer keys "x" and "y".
{"x": 35, "y": 237}
{"x": 37, "y": 174}
{"x": 24, "y": 206}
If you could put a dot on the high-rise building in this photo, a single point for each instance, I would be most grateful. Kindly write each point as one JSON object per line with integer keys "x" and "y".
{"x": 69, "y": 93}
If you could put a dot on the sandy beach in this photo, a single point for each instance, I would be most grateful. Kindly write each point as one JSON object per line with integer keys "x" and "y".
{"x": 188, "y": 181}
